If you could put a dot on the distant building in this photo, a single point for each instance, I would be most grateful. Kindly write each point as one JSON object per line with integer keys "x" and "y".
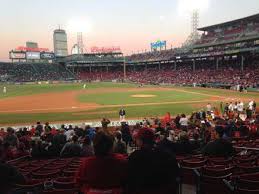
{"x": 31, "y": 44}
{"x": 60, "y": 43}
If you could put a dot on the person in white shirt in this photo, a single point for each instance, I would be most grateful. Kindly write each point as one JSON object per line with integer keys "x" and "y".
{"x": 4, "y": 90}
{"x": 209, "y": 108}
{"x": 84, "y": 86}
{"x": 240, "y": 107}
{"x": 69, "y": 133}
{"x": 183, "y": 121}
{"x": 251, "y": 105}
{"x": 231, "y": 107}
{"x": 235, "y": 107}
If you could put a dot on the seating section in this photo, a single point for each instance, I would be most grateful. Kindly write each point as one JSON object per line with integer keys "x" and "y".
{"x": 205, "y": 73}
{"x": 29, "y": 72}
{"x": 233, "y": 33}
{"x": 50, "y": 175}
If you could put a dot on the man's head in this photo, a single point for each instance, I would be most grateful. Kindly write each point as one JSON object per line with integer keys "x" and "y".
{"x": 103, "y": 143}
{"x": 10, "y": 130}
{"x": 145, "y": 137}
{"x": 220, "y": 131}
{"x": 183, "y": 137}
{"x": 75, "y": 138}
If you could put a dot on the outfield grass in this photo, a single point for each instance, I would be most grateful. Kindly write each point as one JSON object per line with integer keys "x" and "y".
{"x": 23, "y": 90}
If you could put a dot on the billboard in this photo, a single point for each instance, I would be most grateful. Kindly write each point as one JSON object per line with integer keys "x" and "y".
{"x": 158, "y": 45}
{"x": 17, "y": 55}
{"x": 96, "y": 49}
{"x": 22, "y": 48}
{"x": 47, "y": 56}
{"x": 32, "y": 55}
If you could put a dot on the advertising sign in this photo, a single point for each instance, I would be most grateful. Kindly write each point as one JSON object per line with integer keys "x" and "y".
{"x": 33, "y": 55}
{"x": 47, "y": 56}
{"x": 23, "y": 48}
{"x": 17, "y": 55}
{"x": 96, "y": 49}
{"x": 158, "y": 45}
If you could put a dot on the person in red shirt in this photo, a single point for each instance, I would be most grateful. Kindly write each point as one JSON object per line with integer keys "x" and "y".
{"x": 53, "y": 131}
{"x": 3, "y": 133}
{"x": 105, "y": 170}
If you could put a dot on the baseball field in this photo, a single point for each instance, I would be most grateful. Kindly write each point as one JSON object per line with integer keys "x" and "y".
{"x": 27, "y": 104}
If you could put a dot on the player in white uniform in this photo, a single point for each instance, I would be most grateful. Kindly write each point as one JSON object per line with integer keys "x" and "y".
{"x": 4, "y": 90}
{"x": 84, "y": 86}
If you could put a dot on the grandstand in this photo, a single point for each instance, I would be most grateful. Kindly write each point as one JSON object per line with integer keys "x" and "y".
{"x": 226, "y": 55}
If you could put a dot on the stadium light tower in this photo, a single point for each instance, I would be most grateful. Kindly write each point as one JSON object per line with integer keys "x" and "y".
{"x": 80, "y": 43}
{"x": 194, "y": 36}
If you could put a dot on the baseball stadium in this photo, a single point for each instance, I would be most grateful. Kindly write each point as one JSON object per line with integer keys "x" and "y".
{"x": 149, "y": 84}
{"x": 102, "y": 120}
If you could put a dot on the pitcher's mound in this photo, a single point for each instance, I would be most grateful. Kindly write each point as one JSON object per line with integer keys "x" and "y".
{"x": 143, "y": 96}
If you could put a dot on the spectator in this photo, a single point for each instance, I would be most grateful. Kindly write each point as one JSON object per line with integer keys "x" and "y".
{"x": 90, "y": 132}
{"x": 70, "y": 132}
{"x": 125, "y": 133}
{"x": 219, "y": 147}
{"x": 71, "y": 149}
{"x": 151, "y": 169}
{"x": 183, "y": 122}
{"x": 87, "y": 149}
{"x": 183, "y": 146}
{"x": 11, "y": 138}
{"x": 160, "y": 128}
{"x": 58, "y": 141}
{"x": 9, "y": 177}
{"x": 105, "y": 122}
{"x": 39, "y": 127}
{"x": 119, "y": 146}
{"x": 105, "y": 170}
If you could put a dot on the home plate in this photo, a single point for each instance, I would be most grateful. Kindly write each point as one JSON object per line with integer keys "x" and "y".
{"x": 73, "y": 107}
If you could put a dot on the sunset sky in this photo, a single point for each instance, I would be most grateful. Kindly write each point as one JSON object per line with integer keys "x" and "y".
{"x": 130, "y": 24}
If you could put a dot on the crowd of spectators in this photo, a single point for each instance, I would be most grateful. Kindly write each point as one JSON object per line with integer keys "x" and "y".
{"x": 29, "y": 72}
{"x": 140, "y": 157}
{"x": 229, "y": 74}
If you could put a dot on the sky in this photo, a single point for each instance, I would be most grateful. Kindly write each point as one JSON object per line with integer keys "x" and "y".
{"x": 130, "y": 24}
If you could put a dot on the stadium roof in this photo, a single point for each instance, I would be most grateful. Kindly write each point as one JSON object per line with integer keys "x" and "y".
{"x": 248, "y": 18}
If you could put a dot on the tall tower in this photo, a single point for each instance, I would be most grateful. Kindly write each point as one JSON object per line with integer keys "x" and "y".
{"x": 194, "y": 36}
{"x": 80, "y": 43}
{"x": 60, "y": 43}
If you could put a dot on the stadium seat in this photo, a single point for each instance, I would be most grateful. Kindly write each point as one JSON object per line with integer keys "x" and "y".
{"x": 46, "y": 174}
{"x": 61, "y": 191}
{"x": 187, "y": 167}
{"x": 212, "y": 183}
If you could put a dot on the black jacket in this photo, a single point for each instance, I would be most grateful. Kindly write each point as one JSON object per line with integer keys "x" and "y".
{"x": 122, "y": 112}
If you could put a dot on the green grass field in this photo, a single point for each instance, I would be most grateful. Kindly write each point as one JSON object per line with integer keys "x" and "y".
{"x": 111, "y": 96}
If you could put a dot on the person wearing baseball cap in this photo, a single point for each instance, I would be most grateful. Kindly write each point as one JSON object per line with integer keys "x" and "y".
{"x": 151, "y": 170}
